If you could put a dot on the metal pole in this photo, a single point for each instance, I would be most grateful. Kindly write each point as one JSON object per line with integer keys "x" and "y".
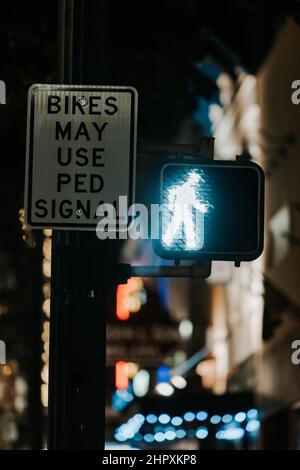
{"x": 79, "y": 265}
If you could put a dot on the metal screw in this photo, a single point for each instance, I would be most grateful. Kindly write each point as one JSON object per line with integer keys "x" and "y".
{"x": 82, "y": 100}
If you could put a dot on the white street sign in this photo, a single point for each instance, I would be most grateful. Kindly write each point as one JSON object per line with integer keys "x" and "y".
{"x": 81, "y": 152}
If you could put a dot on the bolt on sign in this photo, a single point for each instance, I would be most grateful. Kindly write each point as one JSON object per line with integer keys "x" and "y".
{"x": 81, "y": 152}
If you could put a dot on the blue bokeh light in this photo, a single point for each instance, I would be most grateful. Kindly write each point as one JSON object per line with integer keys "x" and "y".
{"x": 227, "y": 418}
{"x": 170, "y": 435}
{"x": 252, "y": 414}
{"x": 164, "y": 418}
{"x": 176, "y": 421}
{"x": 159, "y": 436}
{"x": 189, "y": 416}
{"x": 202, "y": 433}
{"x": 180, "y": 433}
{"x": 215, "y": 419}
{"x": 231, "y": 434}
{"x": 253, "y": 425}
{"x": 151, "y": 418}
{"x": 240, "y": 417}
{"x": 201, "y": 416}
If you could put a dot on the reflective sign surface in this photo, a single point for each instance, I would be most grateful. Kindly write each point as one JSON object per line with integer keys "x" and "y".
{"x": 81, "y": 153}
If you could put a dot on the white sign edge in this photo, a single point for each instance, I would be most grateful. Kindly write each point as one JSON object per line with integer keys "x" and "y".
{"x": 44, "y": 87}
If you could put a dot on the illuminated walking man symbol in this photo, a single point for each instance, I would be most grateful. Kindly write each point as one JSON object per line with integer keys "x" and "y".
{"x": 182, "y": 199}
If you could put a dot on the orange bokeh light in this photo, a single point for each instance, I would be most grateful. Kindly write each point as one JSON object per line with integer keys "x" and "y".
{"x": 121, "y": 375}
{"x": 128, "y": 298}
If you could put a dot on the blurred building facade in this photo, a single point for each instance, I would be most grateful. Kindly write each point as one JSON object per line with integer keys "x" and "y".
{"x": 256, "y": 309}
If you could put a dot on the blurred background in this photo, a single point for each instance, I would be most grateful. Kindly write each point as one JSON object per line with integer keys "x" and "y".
{"x": 190, "y": 364}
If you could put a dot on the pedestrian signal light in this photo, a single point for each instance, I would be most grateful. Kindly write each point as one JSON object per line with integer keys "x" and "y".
{"x": 211, "y": 211}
